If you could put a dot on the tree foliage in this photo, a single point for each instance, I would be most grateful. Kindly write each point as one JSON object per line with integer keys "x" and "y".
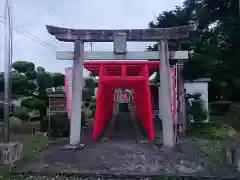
{"x": 23, "y": 66}
{"x": 89, "y": 89}
{"x": 58, "y": 79}
{"x": 214, "y": 45}
{"x": 30, "y": 81}
{"x": 40, "y": 69}
{"x": 33, "y": 103}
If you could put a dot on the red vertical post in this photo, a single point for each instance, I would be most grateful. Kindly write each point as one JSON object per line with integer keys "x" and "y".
{"x": 123, "y": 70}
{"x": 98, "y": 114}
{"x": 98, "y": 125}
{"x": 147, "y": 112}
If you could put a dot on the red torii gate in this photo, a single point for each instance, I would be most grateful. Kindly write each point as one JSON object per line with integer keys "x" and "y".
{"x": 123, "y": 74}
{"x": 113, "y": 75}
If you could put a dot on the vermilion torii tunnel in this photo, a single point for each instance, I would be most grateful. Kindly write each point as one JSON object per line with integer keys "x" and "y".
{"x": 130, "y": 74}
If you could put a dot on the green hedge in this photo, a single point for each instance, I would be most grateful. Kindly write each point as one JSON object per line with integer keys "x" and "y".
{"x": 33, "y": 103}
{"x": 60, "y": 125}
{"x": 21, "y": 114}
{"x": 219, "y": 108}
{"x": 93, "y": 108}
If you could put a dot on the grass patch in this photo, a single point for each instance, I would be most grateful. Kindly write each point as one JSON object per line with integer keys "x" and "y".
{"x": 4, "y": 173}
{"x": 32, "y": 145}
{"x": 212, "y": 131}
{"x": 211, "y": 138}
{"x": 211, "y": 148}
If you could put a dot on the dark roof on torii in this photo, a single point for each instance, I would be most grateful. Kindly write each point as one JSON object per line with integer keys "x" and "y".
{"x": 107, "y": 35}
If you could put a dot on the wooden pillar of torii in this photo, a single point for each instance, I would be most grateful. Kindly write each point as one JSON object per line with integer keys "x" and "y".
{"x": 120, "y": 37}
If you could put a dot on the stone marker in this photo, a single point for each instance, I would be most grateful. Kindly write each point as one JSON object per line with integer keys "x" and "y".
{"x": 233, "y": 156}
{"x": 10, "y": 152}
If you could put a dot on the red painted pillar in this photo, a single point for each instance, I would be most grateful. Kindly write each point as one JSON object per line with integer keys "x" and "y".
{"x": 99, "y": 114}
{"x": 146, "y": 105}
{"x": 104, "y": 103}
{"x": 123, "y": 70}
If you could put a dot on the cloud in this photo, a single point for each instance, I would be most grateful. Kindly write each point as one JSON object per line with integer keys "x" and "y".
{"x": 87, "y": 14}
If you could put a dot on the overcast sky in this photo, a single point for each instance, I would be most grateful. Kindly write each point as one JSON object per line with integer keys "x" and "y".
{"x": 31, "y": 16}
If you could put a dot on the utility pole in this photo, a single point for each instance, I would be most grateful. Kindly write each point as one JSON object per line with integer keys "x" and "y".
{"x": 7, "y": 68}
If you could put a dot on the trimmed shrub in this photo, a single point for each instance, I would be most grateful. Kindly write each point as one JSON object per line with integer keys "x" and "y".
{"x": 37, "y": 104}
{"x": 93, "y": 108}
{"x": 196, "y": 109}
{"x": 60, "y": 124}
{"x": 33, "y": 103}
{"x": 219, "y": 108}
{"x": 15, "y": 122}
{"x": 23, "y": 115}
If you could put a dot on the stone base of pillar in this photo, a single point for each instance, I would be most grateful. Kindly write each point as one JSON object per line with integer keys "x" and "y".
{"x": 74, "y": 147}
{"x": 233, "y": 156}
{"x": 10, "y": 152}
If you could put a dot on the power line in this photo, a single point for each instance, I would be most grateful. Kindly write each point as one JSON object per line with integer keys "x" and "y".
{"x": 54, "y": 10}
{"x": 30, "y": 36}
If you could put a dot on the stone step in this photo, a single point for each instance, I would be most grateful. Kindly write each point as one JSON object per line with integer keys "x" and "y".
{"x": 122, "y": 126}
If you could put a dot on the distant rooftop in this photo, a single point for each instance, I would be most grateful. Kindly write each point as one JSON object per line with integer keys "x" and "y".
{"x": 200, "y": 80}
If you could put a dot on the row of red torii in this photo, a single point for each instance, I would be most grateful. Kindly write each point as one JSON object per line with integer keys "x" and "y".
{"x": 113, "y": 73}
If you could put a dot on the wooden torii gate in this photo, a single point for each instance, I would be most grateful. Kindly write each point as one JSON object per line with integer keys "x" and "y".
{"x": 120, "y": 37}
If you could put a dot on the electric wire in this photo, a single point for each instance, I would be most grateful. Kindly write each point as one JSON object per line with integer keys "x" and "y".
{"x": 30, "y": 36}
{"x": 54, "y": 10}
{"x": 60, "y": 17}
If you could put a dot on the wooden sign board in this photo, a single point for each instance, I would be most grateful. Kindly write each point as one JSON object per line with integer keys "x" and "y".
{"x": 57, "y": 104}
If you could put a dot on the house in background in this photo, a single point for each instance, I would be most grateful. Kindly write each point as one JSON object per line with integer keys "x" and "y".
{"x": 192, "y": 87}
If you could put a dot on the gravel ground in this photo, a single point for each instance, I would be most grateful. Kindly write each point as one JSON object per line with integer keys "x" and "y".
{"x": 124, "y": 157}
{"x": 114, "y": 178}
{"x": 128, "y": 158}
